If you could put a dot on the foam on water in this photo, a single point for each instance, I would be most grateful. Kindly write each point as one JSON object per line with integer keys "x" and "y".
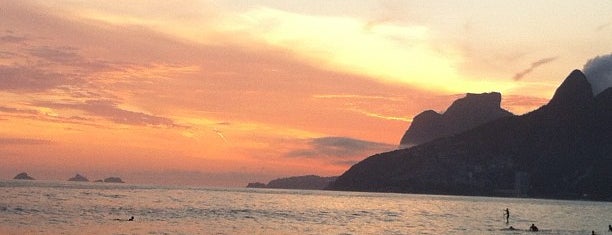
{"x": 95, "y": 208}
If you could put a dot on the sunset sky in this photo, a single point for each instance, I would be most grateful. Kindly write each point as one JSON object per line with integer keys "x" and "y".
{"x": 222, "y": 93}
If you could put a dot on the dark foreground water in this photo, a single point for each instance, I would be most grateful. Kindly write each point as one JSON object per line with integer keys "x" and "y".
{"x": 46, "y": 207}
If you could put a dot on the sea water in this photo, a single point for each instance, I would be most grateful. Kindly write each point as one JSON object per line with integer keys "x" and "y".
{"x": 47, "y": 207}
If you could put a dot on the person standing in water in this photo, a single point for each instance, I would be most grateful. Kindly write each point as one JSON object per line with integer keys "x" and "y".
{"x": 507, "y": 213}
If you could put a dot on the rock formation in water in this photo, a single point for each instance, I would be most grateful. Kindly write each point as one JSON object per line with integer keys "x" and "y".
{"x": 561, "y": 150}
{"x": 296, "y": 182}
{"x": 256, "y": 185}
{"x": 464, "y": 114}
{"x": 301, "y": 182}
{"x": 79, "y": 178}
{"x": 113, "y": 180}
{"x": 23, "y": 176}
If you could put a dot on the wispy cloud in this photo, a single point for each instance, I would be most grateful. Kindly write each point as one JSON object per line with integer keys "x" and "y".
{"x": 22, "y": 78}
{"x": 518, "y": 76}
{"x": 60, "y": 54}
{"x": 23, "y": 141}
{"x": 33, "y": 114}
{"x": 382, "y": 116}
{"x": 601, "y": 27}
{"x": 339, "y": 149}
{"x": 10, "y": 38}
{"x": 220, "y": 134}
{"x": 388, "y": 12}
{"x": 370, "y": 24}
{"x": 109, "y": 110}
{"x": 361, "y": 103}
{"x": 5, "y": 109}
{"x": 354, "y": 96}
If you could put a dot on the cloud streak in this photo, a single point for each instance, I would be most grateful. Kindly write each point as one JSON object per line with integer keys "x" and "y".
{"x": 9, "y": 38}
{"x": 220, "y": 134}
{"x": 339, "y": 149}
{"x": 22, "y": 78}
{"x": 23, "y": 141}
{"x": 12, "y": 110}
{"x": 62, "y": 54}
{"x": 518, "y": 76}
{"x": 382, "y": 116}
{"x": 602, "y": 27}
{"x": 109, "y": 110}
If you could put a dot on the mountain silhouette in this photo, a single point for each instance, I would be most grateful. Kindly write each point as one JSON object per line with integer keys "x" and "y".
{"x": 465, "y": 113}
{"x": 560, "y": 150}
{"x": 296, "y": 182}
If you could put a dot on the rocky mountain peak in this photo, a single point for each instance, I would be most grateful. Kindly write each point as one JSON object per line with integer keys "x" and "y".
{"x": 463, "y": 114}
{"x": 475, "y": 103}
{"x": 575, "y": 91}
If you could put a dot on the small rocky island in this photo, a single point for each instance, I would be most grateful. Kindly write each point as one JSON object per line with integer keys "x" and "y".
{"x": 23, "y": 176}
{"x": 113, "y": 180}
{"x": 79, "y": 178}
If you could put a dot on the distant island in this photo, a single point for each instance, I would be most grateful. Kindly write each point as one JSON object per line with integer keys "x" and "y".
{"x": 561, "y": 150}
{"x": 112, "y": 180}
{"x": 79, "y": 178}
{"x": 109, "y": 180}
{"x": 76, "y": 178}
{"x": 23, "y": 176}
{"x": 296, "y": 182}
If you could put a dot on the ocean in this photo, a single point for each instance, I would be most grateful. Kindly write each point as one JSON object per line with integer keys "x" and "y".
{"x": 53, "y": 207}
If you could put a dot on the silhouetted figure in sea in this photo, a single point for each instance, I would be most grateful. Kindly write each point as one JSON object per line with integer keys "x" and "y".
{"x": 609, "y": 227}
{"x": 130, "y": 219}
{"x": 533, "y": 228}
{"x": 507, "y": 213}
{"x": 593, "y": 232}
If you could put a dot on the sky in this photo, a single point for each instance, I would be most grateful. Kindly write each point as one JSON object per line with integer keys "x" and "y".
{"x": 223, "y": 93}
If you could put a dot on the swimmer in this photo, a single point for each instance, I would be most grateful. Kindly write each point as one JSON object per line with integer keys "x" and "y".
{"x": 130, "y": 219}
{"x": 533, "y": 228}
